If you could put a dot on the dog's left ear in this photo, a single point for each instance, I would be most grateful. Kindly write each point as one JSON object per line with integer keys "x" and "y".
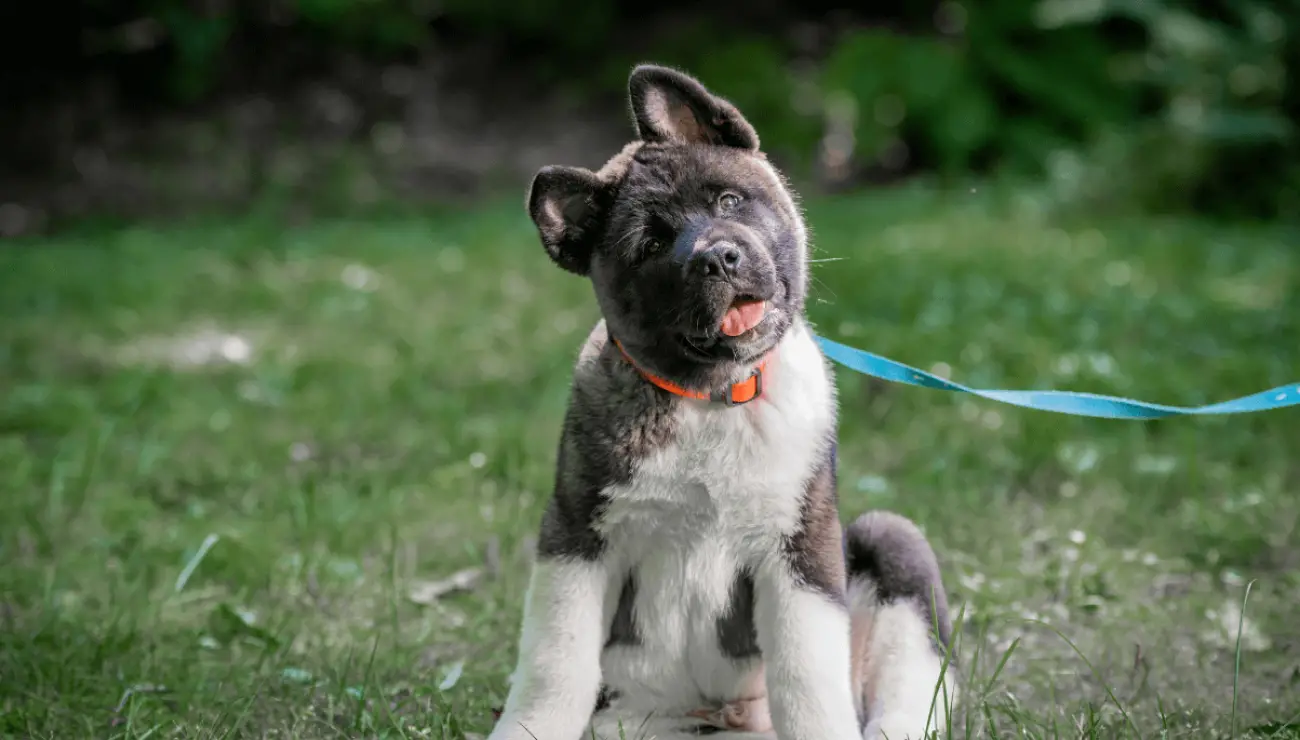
{"x": 673, "y": 107}
{"x": 568, "y": 206}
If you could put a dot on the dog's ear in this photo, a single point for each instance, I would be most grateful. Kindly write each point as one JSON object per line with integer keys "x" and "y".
{"x": 673, "y": 107}
{"x": 568, "y": 205}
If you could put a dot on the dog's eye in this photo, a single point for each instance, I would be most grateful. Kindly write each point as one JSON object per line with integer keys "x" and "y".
{"x": 653, "y": 245}
{"x": 728, "y": 201}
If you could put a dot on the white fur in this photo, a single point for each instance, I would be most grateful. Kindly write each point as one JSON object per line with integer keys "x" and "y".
{"x": 558, "y": 674}
{"x": 903, "y": 672}
{"x": 805, "y": 641}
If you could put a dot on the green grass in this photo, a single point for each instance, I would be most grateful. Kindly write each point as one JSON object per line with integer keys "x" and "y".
{"x": 229, "y": 550}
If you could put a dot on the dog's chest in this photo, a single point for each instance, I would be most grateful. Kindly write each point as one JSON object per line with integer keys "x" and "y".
{"x": 685, "y": 532}
{"x": 732, "y": 470}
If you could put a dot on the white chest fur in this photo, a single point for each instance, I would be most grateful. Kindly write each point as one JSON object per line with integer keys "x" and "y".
{"x": 720, "y": 497}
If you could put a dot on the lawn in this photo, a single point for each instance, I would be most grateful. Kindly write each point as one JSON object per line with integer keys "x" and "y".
{"x": 271, "y": 481}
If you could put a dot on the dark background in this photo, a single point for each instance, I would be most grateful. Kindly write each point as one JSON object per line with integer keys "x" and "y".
{"x": 134, "y": 108}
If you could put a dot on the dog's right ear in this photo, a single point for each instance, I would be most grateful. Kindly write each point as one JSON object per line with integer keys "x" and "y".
{"x": 568, "y": 206}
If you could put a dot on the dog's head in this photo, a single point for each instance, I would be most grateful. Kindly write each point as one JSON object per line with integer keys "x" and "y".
{"x": 692, "y": 240}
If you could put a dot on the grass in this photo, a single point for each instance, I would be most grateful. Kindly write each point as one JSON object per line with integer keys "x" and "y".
{"x": 251, "y": 536}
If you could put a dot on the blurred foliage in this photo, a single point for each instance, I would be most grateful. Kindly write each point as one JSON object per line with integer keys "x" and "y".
{"x": 1164, "y": 104}
{"x": 1142, "y": 102}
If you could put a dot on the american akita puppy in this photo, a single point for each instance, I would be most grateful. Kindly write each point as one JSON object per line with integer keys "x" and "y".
{"x": 692, "y": 574}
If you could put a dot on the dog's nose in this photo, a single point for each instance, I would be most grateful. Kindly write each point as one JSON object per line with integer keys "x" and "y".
{"x": 720, "y": 259}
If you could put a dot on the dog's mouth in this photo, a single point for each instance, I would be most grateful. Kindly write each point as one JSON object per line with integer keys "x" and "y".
{"x": 737, "y": 333}
{"x": 744, "y": 313}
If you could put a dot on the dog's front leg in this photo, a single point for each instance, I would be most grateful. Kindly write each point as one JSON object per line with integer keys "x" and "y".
{"x": 804, "y": 636}
{"x": 802, "y": 620}
{"x": 557, "y": 677}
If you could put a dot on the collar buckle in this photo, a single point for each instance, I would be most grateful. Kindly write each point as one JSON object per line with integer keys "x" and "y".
{"x": 727, "y": 396}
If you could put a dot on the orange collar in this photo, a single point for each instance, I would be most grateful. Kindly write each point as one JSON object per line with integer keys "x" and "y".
{"x": 739, "y": 393}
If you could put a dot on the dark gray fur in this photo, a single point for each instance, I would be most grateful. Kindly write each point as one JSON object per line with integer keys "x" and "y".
{"x": 737, "y": 635}
{"x": 665, "y": 313}
{"x": 634, "y": 226}
{"x": 605, "y": 697}
{"x": 814, "y": 550}
{"x": 614, "y": 419}
{"x": 893, "y": 554}
{"x": 622, "y": 630}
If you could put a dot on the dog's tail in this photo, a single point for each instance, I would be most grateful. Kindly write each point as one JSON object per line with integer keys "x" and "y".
{"x": 900, "y": 626}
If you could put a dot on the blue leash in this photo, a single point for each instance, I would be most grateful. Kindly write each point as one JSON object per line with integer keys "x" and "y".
{"x": 1062, "y": 402}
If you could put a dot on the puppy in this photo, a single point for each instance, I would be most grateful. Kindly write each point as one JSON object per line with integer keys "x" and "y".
{"x": 692, "y": 574}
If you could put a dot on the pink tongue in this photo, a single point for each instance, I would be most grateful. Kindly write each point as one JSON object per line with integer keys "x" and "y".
{"x": 742, "y": 317}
